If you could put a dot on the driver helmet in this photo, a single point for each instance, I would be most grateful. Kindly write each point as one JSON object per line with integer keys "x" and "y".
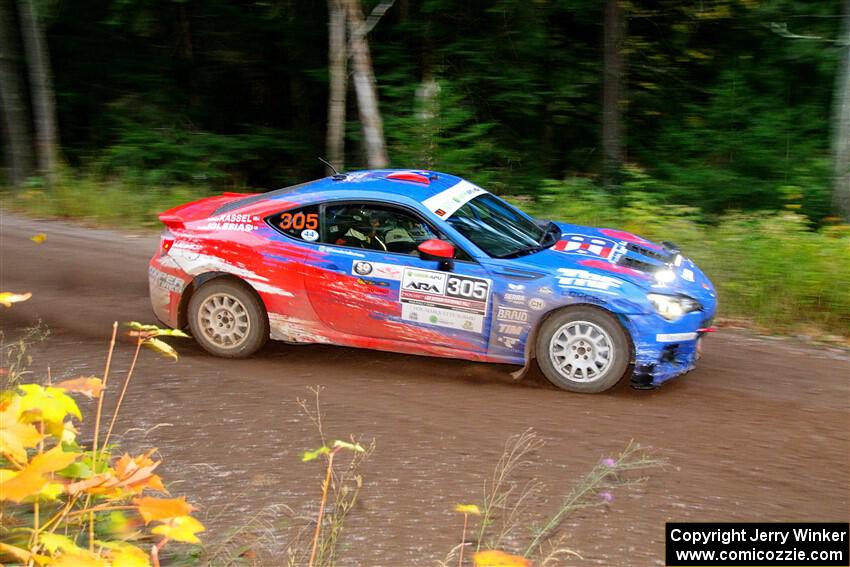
{"x": 398, "y": 234}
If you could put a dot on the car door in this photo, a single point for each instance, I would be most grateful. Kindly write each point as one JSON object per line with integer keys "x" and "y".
{"x": 371, "y": 282}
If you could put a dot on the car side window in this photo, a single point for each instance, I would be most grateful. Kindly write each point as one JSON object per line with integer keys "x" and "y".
{"x": 376, "y": 227}
{"x": 302, "y": 224}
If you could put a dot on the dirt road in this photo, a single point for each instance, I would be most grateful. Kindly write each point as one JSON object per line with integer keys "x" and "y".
{"x": 760, "y": 431}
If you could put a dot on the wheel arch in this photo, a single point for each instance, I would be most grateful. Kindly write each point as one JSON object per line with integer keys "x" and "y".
{"x": 622, "y": 320}
{"x": 202, "y": 279}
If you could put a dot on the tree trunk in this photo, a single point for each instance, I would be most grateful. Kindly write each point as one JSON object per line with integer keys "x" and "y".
{"x": 41, "y": 88}
{"x": 363, "y": 78}
{"x": 337, "y": 84}
{"x": 13, "y": 114}
{"x": 612, "y": 94}
{"x": 841, "y": 125}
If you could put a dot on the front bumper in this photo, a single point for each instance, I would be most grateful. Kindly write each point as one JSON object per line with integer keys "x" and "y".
{"x": 664, "y": 350}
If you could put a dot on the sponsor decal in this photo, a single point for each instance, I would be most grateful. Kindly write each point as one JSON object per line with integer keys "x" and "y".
{"x": 343, "y": 251}
{"x": 448, "y": 300}
{"x": 582, "y": 245}
{"x": 362, "y": 268}
{"x": 185, "y": 245}
{"x": 675, "y": 337}
{"x": 183, "y": 249}
{"x": 377, "y": 270}
{"x": 440, "y": 317}
{"x": 376, "y": 283}
{"x": 445, "y": 203}
{"x": 310, "y": 235}
{"x": 508, "y": 342}
{"x": 387, "y": 271}
{"x": 515, "y": 298}
{"x": 545, "y": 290}
{"x": 582, "y": 279}
{"x": 510, "y": 314}
{"x": 688, "y": 275}
{"x": 536, "y": 303}
{"x": 167, "y": 282}
{"x": 230, "y": 222}
{"x": 509, "y": 329}
{"x": 516, "y": 287}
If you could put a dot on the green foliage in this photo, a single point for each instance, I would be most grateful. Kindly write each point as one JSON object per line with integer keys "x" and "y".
{"x": 105, "y": 201}
{"x": 727, "y": 102}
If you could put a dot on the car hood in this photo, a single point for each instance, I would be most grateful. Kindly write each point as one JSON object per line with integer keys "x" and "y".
{"x": 626, "y": 256}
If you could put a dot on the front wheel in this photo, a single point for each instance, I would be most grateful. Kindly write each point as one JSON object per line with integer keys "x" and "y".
{"x": 583, "y": 349}
{"x": 227, "y": 319}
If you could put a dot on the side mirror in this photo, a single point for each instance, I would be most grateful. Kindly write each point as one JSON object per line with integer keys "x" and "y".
{"x": 439, "y": 250}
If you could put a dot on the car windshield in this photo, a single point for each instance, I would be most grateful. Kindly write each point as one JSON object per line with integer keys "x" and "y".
{"x": 499, "y": 229}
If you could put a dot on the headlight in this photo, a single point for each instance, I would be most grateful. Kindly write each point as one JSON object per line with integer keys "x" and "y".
{"x": 665, "y": 276}
{"x": 672, "y": 307}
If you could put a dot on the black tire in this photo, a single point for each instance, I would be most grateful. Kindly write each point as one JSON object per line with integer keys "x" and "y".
{"x": 212, "y": 332}
{"x": 598, "y": 372}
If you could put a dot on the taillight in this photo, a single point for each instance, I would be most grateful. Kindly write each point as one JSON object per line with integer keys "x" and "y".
{"x": 166, "y": 241}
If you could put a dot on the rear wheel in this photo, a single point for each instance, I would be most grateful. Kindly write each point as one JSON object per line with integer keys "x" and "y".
{"x": 227, "y": 319}
{"x": 583, "y": 349}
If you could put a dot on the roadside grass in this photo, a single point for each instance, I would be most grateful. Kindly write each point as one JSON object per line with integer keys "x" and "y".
{"x": 774, "y": 271}
{"x": 111, "y": 202}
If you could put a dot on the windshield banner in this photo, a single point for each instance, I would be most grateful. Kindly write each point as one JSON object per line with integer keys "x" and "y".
{"x": 445, "y": 203}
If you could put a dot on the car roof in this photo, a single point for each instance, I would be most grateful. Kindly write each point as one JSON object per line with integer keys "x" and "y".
{"x": 391, "y": 185}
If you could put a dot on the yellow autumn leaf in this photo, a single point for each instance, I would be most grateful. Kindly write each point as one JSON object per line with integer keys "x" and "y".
{"x": 161, "y": 347}
{"x": 53, "y": 460}
{"x": 22, "y": 555}
{"x": 51, "y": 491}
{"x": 135, "y": 474}
{"x": 162, "y": 508}
{"x": 80, "y": 558}
{"x": 8, "y": 298}
{"x": 18, "y": 485}
{"x": 468, "y": 509}
{"x": 16, "y": 437}
{"x": 182, "y": 528}
{"x": 56, "y": 542}
{"x": 39, "y": 238}
{"x": 29, "y": 481}
{"x": 123, "y": 554}
{"x": 130, "y": 557}
{"x": 311, "y": 455}
{"x": 496, "y": 558}
{"x": 48, "y": 404}
{"x": 90, "y": 386}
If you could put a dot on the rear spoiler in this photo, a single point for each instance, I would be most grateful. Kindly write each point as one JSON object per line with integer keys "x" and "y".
{"x": 198, "y": 210}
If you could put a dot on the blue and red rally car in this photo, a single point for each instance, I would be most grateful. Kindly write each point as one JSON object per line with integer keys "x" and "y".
{"x": 427, "y": 263}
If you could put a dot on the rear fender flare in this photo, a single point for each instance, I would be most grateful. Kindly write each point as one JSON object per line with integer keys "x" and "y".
{"x": 197, "y": 282}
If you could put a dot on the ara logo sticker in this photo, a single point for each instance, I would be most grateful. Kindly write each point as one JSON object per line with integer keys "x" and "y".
{"x": 310, "y": 235}
{"x": 422, "y": 286}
